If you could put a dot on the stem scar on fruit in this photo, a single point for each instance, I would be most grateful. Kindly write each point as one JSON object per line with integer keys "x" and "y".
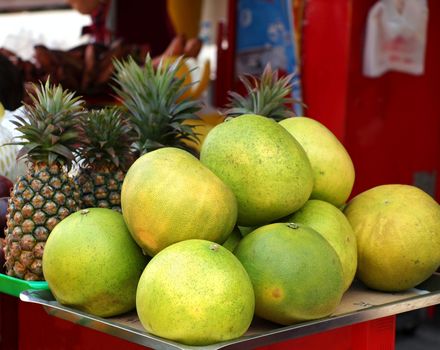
{"x": 292, "y": 225}
{"x": 85, "y": 211}
{"x": 214, "y": 247}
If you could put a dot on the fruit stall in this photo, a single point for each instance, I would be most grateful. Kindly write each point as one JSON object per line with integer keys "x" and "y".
{"x": 283, "y": 196}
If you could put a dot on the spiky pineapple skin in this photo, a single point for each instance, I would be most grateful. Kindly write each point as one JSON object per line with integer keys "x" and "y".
{"x": 100, "y": 189}
{"x": 39, "y": 201}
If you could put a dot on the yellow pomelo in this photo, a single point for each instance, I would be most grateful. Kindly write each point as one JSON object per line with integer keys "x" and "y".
{"x": 265, "y": 167}
{"x": 195, "y": 292}
{"x": 331, "y": 223}
{"x": 296, "y": 274}
{"x": 91, "y": 263}
{"x": 397, "y": 230}
{"x": 332, "y": 166}
{"x": 168, "y": 196}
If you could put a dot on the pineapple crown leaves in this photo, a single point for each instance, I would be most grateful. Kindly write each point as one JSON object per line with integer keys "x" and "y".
{"x": 153, "y": 98}
{"x": 107, "y": 139}
{"x": 269, "y": 95}
{"x": 49, "y": 126}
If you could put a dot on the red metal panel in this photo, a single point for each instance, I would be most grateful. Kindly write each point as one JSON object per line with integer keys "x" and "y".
{"x": 40, "y": 331}
{"x": 393, "y": 122}
{"x": 225, "y": 57}
{"x": 372, "y": 335}
{"x": 325, "y": 61}
{"x": 390, "y": 125}
{"x": 8, "y": 322}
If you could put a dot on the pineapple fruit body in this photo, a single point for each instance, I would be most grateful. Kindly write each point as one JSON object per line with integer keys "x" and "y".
{"x": 39, "y": 201}
{"x": 101, "y": 189}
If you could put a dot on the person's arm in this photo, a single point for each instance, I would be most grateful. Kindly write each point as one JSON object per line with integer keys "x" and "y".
{"x": 85, "y": 6}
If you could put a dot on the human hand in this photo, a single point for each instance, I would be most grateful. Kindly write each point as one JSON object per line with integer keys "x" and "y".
{"x": 179, "y": 46}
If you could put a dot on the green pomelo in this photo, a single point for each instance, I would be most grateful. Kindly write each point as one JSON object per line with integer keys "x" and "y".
{"x": 245, "y": 230}
{"x": 265, "y": 167}
{"x": 331, "y": 223}
{"x": 397, "y": 229}
{"x": 296, "y": 274}
{"x": 168, "y": 196}
{"x": 195, "y": 292}
{"x": 91, "y": 263}
{"x": 233, "y": 239}
{"x": 332, "y": 166}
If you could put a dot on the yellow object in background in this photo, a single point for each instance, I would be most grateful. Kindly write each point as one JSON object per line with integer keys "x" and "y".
{"x": 203, "y": 81}
{"x": 209, "y": 118}
{"x": 185, "y": 16}
{"x": 2, "y": 110}
{"x": 195, "y": 76}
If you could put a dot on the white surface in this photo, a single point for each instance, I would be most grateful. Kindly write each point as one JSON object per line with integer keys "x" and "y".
{"x": 17, "y": 4}
{"x": 57, "y": 29}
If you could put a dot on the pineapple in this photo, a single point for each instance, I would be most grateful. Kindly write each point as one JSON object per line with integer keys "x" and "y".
{"x": 46, "y": 194}
{"x": 106, "y": 153}
{"x": 153, "y": 98}
{"x": 269, "y": 96}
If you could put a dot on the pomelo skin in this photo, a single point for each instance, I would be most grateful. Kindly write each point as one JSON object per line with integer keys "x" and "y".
{"x": 296, "y": 274}
{"x": 233, "y": 239}
{"x": 195, "y": 292}
{"x": 397, "y": 229}
{"x": 91, "y": 263}
{"x": 331, "y": 223}
{"x": 265, "y": 167}
{"x": 168, "y": 196}
{"x": 333, "y": 169}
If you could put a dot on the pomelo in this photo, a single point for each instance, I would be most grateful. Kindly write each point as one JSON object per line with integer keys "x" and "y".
{"x": 91, "y": 263}
{"x": 296, "y": 274}
{"x": 195, "y": 292}
{"x": 331, "y": 223}
{"x": 233, "y": 239}
{"x": 333, "y": 169}
{"x": 397, "y": 230}
{"x": 168, "y": 196}
{"x": 245, "y": 230}
{"x": 265, "y": 167}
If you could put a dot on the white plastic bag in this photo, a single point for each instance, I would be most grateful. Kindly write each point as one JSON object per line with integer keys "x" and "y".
{"x": 9, "y": 166}
{"x": 396, "y": 37}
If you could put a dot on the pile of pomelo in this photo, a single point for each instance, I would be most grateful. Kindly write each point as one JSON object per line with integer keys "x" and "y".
{"x": 253, "y": 227}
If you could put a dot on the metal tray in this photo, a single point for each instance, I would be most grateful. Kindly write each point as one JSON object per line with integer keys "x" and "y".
{"x": 358, "y": 304}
